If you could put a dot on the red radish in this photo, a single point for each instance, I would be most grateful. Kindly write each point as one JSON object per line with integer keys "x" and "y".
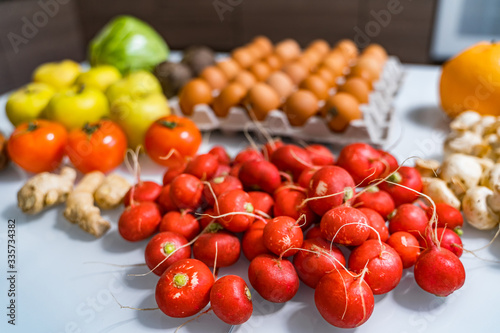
{"x": 220, "y": 185}
{"x": 143, "y": 191}
{"x": 139, "y": 221}
{"x": 378, "y": 200}
{"x": 205, "y": 219}
{"x": 235, "y": 170}
{"x": 223, "y": 170}
{"x": 260, "y": 175}
{"x": 182, "y": 223}
{"x": 314, "y": 232}
{"x": 320, "y": 155}
{"x": 448, "y": 240}
{"x": 291, "y": 159}
{"x": 228, "y": 247}
{"x": 252, "y": 242}
{"x": 406, "y": 245}
{"x": 283, "y": 233}
{"x": 270, "y": 147}
{"x": 324, "y": 184}
{"x": 231, "y": 300}
{"x": 273, "y": 278}
{"x": 391, "y": 164}
{"x": 439, "y": 271}
{"x": 305, "y": 177}
{"x": 345, "y": 225}
{"x": 235, "y": 201}
{"x": 249, "y": 154}
{"x": 409, "y": 218}
{"x": 186, "y": 191}
{"x": 161, "y": 246}
{"x": 290, "y": 203}
{"x": 311, "y": 267}
{"x": 377, "y": 222}
{"x": 262, "y": 202}
{"x": 172, "y": 172}
{"x": 406, "y": 176}
{"x": 202, "y": 166}
{"x": 184, "y": 288}
{"x": 362, "y": 161}
{"x": 221, "y": 154}
{"x": 384, "y": 265}
{"x": 343, "y": 300}
{"x": 447, "y": 216}
{"x": 164, "y": 199}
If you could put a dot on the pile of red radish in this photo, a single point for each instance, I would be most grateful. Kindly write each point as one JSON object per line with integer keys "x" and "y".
{"x": 290, "y": 210}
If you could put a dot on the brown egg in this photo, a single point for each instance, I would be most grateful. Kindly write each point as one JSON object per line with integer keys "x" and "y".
{"x": 246, "y": 79}
{"x": 256, "y": 52}
{"x": 339, "y": 110}
{"x": 296, "y": 71}
{"x": 368, "y": 64}
{"x": 229, "y": 67}
{"x": 214, "y": 76}
{"x": 313, "y": 57}
{"x": 274, "y": 62}
{"x": 196, "y": 91}
{"x": 348, "y": 49}
{"x": 327, "y": 75}
{"x": 306, "y": 62}
{"x": 363, "y": 74}
{"x": 230, "y": 96}
{"x": 287, "y": 50}
{"x": 282, "y": 84}
{"x": 336, "y": 62}
{"x": 358, "y": 88}
{"x": 260, "y": 70}
{"x": 315, "y": 84}
{"x": 378, "y": 51}
{"x": 262, "y": 99}
{"x": 243, "y": 57}
{"x": 300, "y": 106}
{"x": 321, "y": 46}
{"x": 265, "y": 45}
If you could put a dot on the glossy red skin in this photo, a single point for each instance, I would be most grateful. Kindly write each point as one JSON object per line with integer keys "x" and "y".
{"x": 139, "y": 221}
{"x": 181, "y": 302}
{"x": 376, "y": 221}
{"x": 183, "y": 223}
{"x": 235, "y": 170}
{"x": 329, "y": 180}
{"x": 259, "y": 175}
{"x": 229, "y": 300}
{"x": 353, "y": 234}
{"x": 228, "y": 248}
{"x": 305, "y": 177}
{"x": 289, "y": 203}
{"x": 262, "y": 202}
{"x": 252, "y": 242}
{"x": 249, "y": 154}
{"x": 343, "y": 301}
{"x": 362, "y": 161}
{"x": 143, "y": 191}
{"x": 270, "y": 147}
{"x": 407, "y": 246}
{"x": 172, "y": 172}
{"x": 449, "y": 240}
{"x": 165, "y": 201}
{"x": 380, "y": 201}
{"x": 274, "y": 279}
{"x": 291, "y": 159}
{"x": 385, "y": 267}
{"x": 205, "y": 220}
{"x": 320, "y": 155}
{"x": 311, "y": 267}
{"x": 447, "y": 216}
{"x": 223, "y": 170}
{"x": 221, "y": 154}
{"x": 202, "y": 166}
{"x": 220, "y": 185}
{"x": 155, "y": 253}
{"x": 186, "y": 191}
{"x": 283, "y": 233}
{"x": 411, "y": 178}
{"x": 439, "y": 271}
{"x": 390, "y": 162}
{"x": 409, "y": 218}
{"x": 235, "y": 201}
{"x": 314, "y": 232}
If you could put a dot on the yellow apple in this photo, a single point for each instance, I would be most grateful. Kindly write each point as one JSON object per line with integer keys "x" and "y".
{"x": 59, "y": 75}
{"x": 136, "y": 84}
{"x": 27, "y": 103}
{"x": 99, "y": 77}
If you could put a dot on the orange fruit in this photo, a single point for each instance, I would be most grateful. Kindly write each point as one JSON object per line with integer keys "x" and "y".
{"x": 471, "y": 81}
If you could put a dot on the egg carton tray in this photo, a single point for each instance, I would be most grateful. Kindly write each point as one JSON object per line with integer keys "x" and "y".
{"x": 374, "y": 127}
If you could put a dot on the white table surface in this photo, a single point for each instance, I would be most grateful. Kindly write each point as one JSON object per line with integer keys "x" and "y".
{"x": 59, "y": 292}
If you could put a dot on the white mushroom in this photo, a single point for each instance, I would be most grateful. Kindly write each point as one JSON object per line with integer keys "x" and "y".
{"x": 461, "y": 172}
{"x": 462, "y": 142}
{"x": 485, "y": 125}
{"x": 465, "y": 120}
{"x": 427, "y": 168}
{"x": 438, "y": 191}
{"x": 476, "y": 210}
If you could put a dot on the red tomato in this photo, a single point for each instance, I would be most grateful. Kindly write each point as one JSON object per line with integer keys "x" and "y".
{"x": 99, "y": 146}
{"x": 38, "y": 146}
{"x": 171, "y": 139}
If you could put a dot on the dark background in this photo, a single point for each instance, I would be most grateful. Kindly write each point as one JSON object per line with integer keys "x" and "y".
{"x": 70, "y": 24}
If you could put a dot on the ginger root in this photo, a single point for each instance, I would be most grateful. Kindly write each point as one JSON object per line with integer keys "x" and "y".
{"x": 45, "y": 190}
{"x": 111, "y": 192}
{"x": 80, "y": 207}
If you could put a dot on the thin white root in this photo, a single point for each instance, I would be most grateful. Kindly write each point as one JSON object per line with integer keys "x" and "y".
{"x": 45, "y": 190}
{"x": 111, "y": 192}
